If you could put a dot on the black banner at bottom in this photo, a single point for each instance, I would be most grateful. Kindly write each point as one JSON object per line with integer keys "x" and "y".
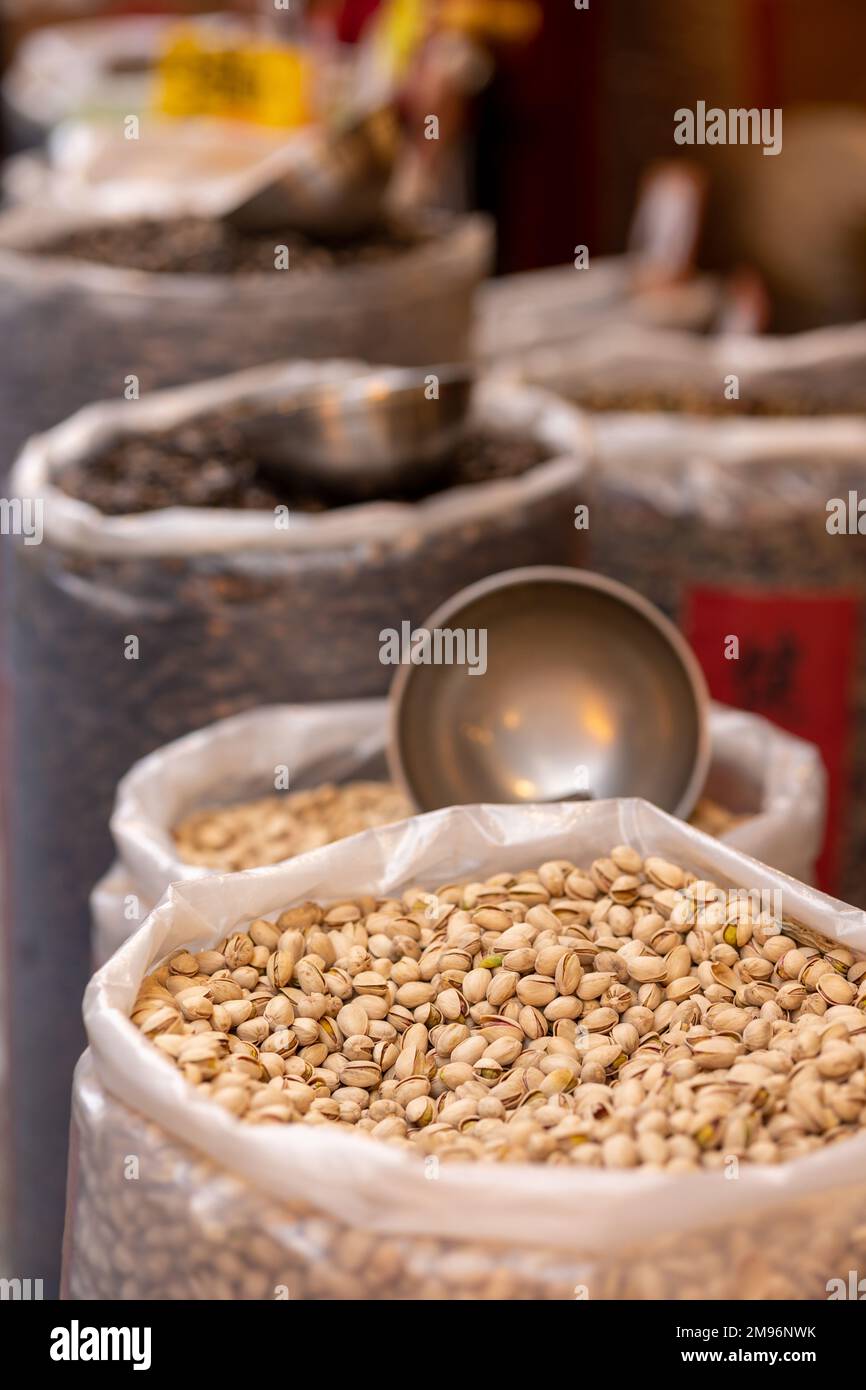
{"x": 148, "y": 1338}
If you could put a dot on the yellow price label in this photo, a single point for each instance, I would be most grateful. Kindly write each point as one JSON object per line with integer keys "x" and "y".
{"x": 267, "y": 85}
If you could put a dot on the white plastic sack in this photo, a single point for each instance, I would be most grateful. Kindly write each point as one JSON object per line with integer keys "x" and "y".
{"x": 306, "y": 1195}
{"x": 234, "y": 760}
{"x": 757, "y": 771}
{"x": 819, "y": 372}
{"x": 776, "y": 782}
{"x": 539, "y": 312}
{"x": 221, "y": 764}
{"x": 77, "y": 526}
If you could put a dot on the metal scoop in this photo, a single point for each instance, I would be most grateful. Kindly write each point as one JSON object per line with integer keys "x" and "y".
{"x": 585, "y": 691}
{"x": 387, "y": 430}
{"x": 324, "y": 183}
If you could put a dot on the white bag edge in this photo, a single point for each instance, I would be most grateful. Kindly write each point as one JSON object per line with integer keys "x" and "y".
{"x": 78, "y": 526}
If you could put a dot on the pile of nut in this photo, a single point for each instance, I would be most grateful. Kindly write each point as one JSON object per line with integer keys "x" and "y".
{"x": 622, "y": 1014}
{"x": 274, "y": 828}
{"x": 764, "y": 396}
{"x": 252, "y": 833}
{"x": 714, "y": 819}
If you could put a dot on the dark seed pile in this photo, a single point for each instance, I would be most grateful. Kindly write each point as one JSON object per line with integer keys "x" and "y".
{"x": 840, "y": 395}
{"x": 207, "y": 463}
{"x": 201, "y": 246}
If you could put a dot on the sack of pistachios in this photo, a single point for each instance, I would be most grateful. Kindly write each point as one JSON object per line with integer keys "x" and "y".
{"x": 490, "y": 1052}
{"x": 207, "y": 802}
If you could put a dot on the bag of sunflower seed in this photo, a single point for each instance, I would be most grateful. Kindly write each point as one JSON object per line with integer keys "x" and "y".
{"x": 490, "y": 1052}
{"x": 647, "y": 369}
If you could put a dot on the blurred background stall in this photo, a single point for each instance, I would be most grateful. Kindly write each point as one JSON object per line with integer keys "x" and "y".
{"x": 533, "y": 208}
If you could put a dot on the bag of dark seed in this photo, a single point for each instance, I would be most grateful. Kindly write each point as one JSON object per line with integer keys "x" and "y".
{"x": 116, "y": 308}
{"x": 208, "y": 803}
{"x": 176, "y": 584}
{"x": 752, "y": 535}
{"x": 817, "y": 373}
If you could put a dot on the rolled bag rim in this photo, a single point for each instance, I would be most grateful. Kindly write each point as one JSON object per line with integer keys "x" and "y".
{"x": 78, "y": 527}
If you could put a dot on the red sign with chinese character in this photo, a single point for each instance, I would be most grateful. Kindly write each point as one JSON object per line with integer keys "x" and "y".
{"x": 792, "y": 657}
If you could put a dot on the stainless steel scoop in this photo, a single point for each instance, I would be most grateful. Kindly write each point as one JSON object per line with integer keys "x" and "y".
{"x": 387, "y": 429}
{"x": 326, "y": 183}
{"x": 588, "y": 692}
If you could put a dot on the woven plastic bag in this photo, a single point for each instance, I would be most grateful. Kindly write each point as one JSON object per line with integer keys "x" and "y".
{"x": 85, "y": 332}
{"x": 641, "y": 368}
{"x": 173, "y": 1198}
{"x": 771, "y": 780}
{"x": 228, "y": 612}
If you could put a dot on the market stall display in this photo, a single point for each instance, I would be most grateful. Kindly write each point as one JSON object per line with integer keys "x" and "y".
{"x": 338, "y": 1027}
{"x": 433, "y": 665}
